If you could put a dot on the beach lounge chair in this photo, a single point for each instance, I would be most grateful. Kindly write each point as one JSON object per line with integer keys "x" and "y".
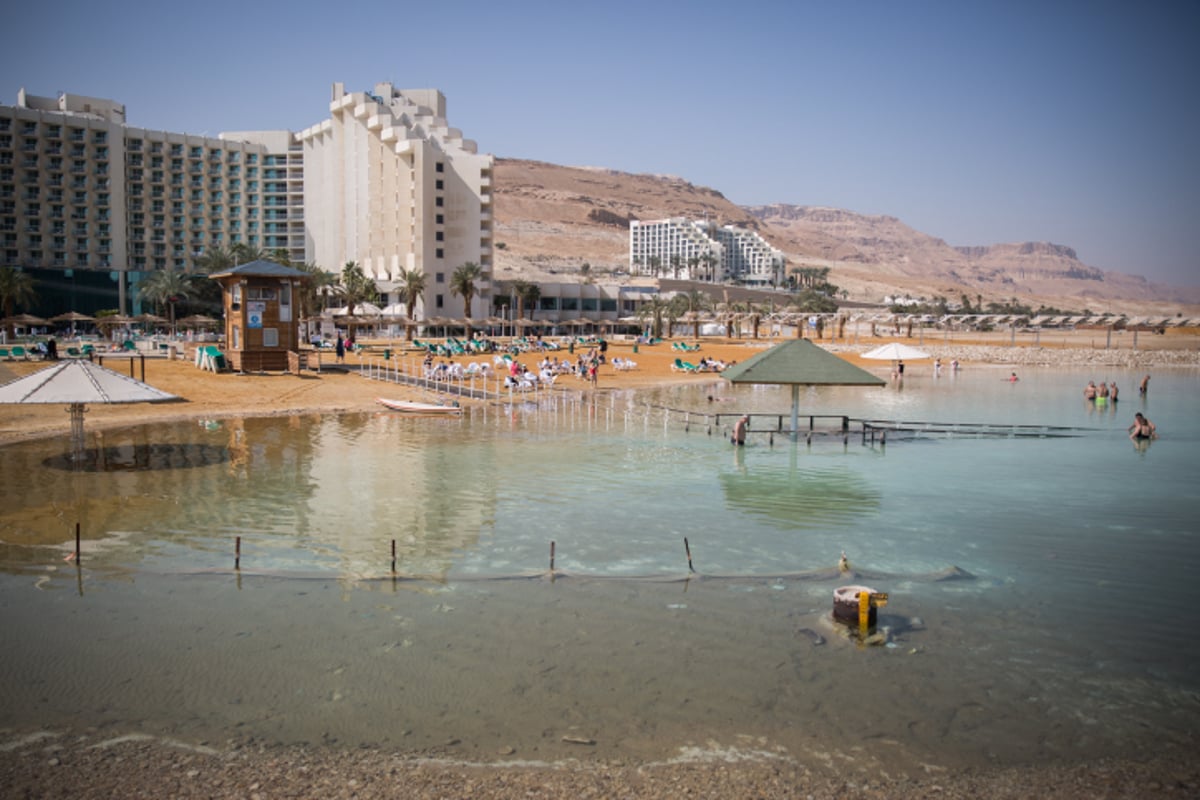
{"x": 19, "y": 352}
{"x": 682, "y": 366}
{"x": 210, "y": 358}
{"x": 5, "y": 354}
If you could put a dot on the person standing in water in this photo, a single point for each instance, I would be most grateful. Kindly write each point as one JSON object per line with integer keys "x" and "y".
{"x": 1144, "y": 386}
{"x": 739, "y": 430}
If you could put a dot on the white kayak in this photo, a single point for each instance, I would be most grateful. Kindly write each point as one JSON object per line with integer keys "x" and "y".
{"x": 413, "y": 407}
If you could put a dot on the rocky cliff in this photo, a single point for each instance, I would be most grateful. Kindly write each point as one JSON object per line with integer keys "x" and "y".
{"x": 551, "y": 220}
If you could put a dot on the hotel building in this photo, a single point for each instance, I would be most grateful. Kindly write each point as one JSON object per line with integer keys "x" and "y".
{"x": 684, "y": 249}
{"x": 89, "y": 205}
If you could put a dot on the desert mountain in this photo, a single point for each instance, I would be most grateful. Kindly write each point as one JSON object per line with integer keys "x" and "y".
{"x": 550, "y": 220}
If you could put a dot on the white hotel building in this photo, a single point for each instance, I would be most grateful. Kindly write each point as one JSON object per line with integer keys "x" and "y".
{"x": 696, "y": 250}
{"x": 89, "y": 205}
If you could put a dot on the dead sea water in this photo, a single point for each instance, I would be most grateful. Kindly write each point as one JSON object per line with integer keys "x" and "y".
{"x": 1071, "y": 636}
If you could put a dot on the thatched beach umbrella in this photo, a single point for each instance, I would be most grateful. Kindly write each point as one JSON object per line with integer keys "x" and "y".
{"x": 72, "y": 316}
{"x": 23, "y": 320}
{"x": 197, "y": 321}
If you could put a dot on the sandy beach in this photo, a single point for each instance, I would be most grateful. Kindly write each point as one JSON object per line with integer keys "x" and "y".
{"x": 209, "y": 395}
{"x": 92, "y": 763}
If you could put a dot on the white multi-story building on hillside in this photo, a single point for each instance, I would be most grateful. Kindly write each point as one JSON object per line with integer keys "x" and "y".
{"x": 87, "y": 202}
{"x": 685, "y": 249}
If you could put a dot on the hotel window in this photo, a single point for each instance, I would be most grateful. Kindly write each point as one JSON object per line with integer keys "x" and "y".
{"x": 441, "y": 167}
{"x": 441, "y": 219}
{"x": 440, "y": 253}
{"x": 439, "y": 236}
{"x": 438, "y": 202}
{"x": 440, "y": 302}
{"x": 439, "y": 277}
{"x": 440, "y": 185}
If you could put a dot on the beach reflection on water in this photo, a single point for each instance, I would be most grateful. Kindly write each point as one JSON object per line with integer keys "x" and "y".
{"x": 1063, "y": 636}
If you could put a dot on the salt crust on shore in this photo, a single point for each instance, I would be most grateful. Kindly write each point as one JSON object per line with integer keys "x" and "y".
{"x": 88, "y": 765}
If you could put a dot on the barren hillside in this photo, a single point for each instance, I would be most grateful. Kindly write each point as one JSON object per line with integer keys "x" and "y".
{"x": 551, "y": 219}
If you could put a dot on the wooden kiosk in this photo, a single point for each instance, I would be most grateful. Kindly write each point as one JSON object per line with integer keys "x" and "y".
{"x": 262, "y": 320}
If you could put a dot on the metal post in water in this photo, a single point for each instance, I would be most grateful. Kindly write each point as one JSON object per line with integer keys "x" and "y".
{"x": 393, "y": 556}
{"x": 552, "y": 555}
{"x": 77, "y": 552}
{"x": 237, "y": 554}
{"x": 688, "y": 549}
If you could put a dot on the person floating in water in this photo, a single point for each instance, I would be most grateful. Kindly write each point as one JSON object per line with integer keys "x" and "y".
{"x": 1142, "y": 428}
{"x": 1013, "y": 378}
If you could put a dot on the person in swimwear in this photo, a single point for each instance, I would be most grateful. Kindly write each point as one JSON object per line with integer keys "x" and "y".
{"x": 1142, "y": 428}
{"x": 1089, "y": 391}
{"x": 739, "y": 431}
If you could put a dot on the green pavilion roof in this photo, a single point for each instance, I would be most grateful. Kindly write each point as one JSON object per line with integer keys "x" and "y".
{"x": 799, "y": 362}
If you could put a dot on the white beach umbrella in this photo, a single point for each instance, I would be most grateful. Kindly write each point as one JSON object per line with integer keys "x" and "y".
{"x": 77, "y": 382}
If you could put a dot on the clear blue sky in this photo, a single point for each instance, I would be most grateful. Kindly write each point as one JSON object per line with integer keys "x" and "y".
{"x": 977, "y": 122}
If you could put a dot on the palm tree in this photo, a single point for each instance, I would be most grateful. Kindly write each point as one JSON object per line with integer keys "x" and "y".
{"x": 655, "y": 265}
{"x": 692, "y": 302}
{"x": 462, "y": 282}
{"x": 710, "y": 262}
{"x": 217, "y": 259}
{"x": 16, "y": 288}
{"x": 676, "y": 262}
{"x": 412, "y": 287}
{"x": 527, "y": 294}
{"x": 357, "y": 288}
{"x": 166, "y": 288}
{"x": 320, "y": 283}
{"x": 654, "y": 309}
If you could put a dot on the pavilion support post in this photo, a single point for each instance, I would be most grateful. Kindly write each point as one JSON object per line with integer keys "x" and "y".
{"x": 795, "y": 410}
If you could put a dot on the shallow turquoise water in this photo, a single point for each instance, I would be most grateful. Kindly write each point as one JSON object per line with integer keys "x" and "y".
{"x": 1083, "y": 552}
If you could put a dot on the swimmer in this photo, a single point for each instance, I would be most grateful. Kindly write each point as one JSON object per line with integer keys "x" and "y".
{"x": 1013, "y": 378}
{"x": 1112, "y": 391}
{"x": 1089, "y": 391}
{"x": 1142, "y": 428}
{"x": 1144, "y": 386}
